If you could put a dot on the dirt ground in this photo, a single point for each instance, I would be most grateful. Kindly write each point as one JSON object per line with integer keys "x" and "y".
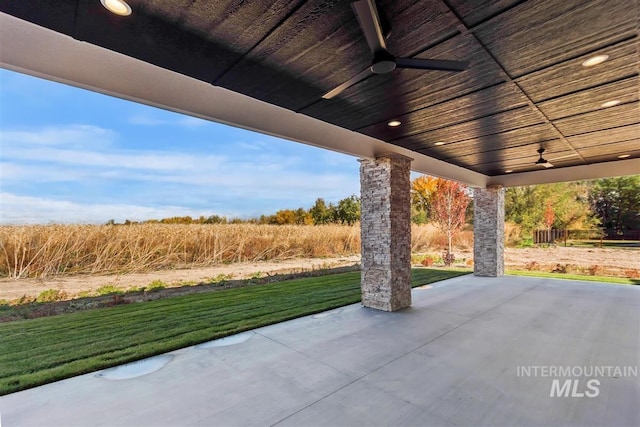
{"x": 599, "y": 261}
{"x": 11, "y": 289}
{"x": 602, "y": 261}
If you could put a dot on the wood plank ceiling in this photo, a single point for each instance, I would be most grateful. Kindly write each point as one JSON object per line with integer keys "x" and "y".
{"x": 525, "y": 87}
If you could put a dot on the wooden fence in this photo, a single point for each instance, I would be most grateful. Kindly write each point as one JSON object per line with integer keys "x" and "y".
{"x": 561, "y": 236}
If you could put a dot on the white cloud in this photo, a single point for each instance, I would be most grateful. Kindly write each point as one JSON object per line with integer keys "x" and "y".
{"x": 274, "y": 181}
{"x": 146, "y": 119}
{"x": 101, "y": 182}
{"x": 142, "y": 160}
{"x": 72, "y": 136}
{"x": 251, "y": 146}
{"x": 11, "y": 173}
{"x": 91, "y": 146}
{"x": 37, "y": 210}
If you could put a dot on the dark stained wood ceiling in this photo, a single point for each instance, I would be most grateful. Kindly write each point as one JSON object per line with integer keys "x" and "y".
{"x": 525, "y": 87}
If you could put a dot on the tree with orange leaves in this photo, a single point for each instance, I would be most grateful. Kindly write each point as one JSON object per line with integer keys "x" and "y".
{"x": 549, "y": 217}
{"x": 449, "y": 205}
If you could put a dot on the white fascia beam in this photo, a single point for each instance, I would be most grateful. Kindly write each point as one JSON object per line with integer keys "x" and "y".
{"x": 574, "y": 173}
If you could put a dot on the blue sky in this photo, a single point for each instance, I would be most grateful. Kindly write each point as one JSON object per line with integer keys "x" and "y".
{"x": 73, "y": 156}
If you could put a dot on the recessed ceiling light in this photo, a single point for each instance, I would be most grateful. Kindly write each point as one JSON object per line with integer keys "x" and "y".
{"x": 439, "y": 143}
{"x": 119, "y": 7}
{"x": 508, "y": 171}
{"x": 610, "y": 103}
{"x": 624, "y": 156}
{"x": 394, "y": 123}
{"x": 595, "y": 60}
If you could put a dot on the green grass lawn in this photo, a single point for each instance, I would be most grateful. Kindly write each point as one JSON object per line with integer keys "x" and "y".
{"x": 39, "y": 351}
{"x": 606, "y": 279}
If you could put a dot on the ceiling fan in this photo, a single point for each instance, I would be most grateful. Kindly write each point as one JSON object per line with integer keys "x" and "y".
{"x": 547, "y": 163}
{"x": 541, "y": 161}
{"x": 383, "y": 61}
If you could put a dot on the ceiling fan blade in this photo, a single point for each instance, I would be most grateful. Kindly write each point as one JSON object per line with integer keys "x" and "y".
{"x": 369, "y": 20}
{"x": 564, "y": 157}
{"x": 431, "y": 64}
{"x": 352, "y": 81}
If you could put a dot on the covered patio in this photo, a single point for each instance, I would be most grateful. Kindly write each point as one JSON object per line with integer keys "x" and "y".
{"x": 469, "y": 351}
{"x": 540, "y": 74}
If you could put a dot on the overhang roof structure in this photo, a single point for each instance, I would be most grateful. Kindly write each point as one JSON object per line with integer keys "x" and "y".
{"x": 264, "y": 65}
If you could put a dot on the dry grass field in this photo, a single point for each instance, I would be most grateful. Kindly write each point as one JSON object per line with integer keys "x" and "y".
{"x": 53, "y": 250}
{"x": 41, "y": 251}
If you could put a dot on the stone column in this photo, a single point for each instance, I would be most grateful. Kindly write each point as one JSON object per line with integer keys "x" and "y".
{"x": 488, "y": 231}
{"x": 385, "y": 187}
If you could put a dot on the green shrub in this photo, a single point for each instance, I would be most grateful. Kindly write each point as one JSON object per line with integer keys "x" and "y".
{"x": 188, "y": 283}
{"x": 156, "y": 285}
{"x": 222, "y": 278}
{"x": 51, "y": 295}
{"x": 527, "y": 242}
{"x": 108, "y": 290}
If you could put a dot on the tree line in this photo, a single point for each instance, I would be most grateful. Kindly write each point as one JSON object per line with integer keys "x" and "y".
{"x": 611, "y": 204}
{"x": 345, "y": 211}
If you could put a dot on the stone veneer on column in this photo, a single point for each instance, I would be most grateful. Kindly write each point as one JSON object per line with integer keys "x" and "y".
{"x": 488, "y": 231}
{"x": 386, "y": 232}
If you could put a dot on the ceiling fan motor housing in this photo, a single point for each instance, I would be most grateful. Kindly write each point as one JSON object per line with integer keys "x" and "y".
{"x": 542, "y": 161}
{"x": 383, "y": 63}
{"x": 384, "y": 66}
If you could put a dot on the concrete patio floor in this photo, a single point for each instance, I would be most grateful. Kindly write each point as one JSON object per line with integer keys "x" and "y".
{"x": 453, "y": 358}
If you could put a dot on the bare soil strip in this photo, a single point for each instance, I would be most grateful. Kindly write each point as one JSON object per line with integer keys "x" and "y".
{"x": 603, "y": 261}
{"x": 580, "y": 260}
{"x": 11, "y": 289}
